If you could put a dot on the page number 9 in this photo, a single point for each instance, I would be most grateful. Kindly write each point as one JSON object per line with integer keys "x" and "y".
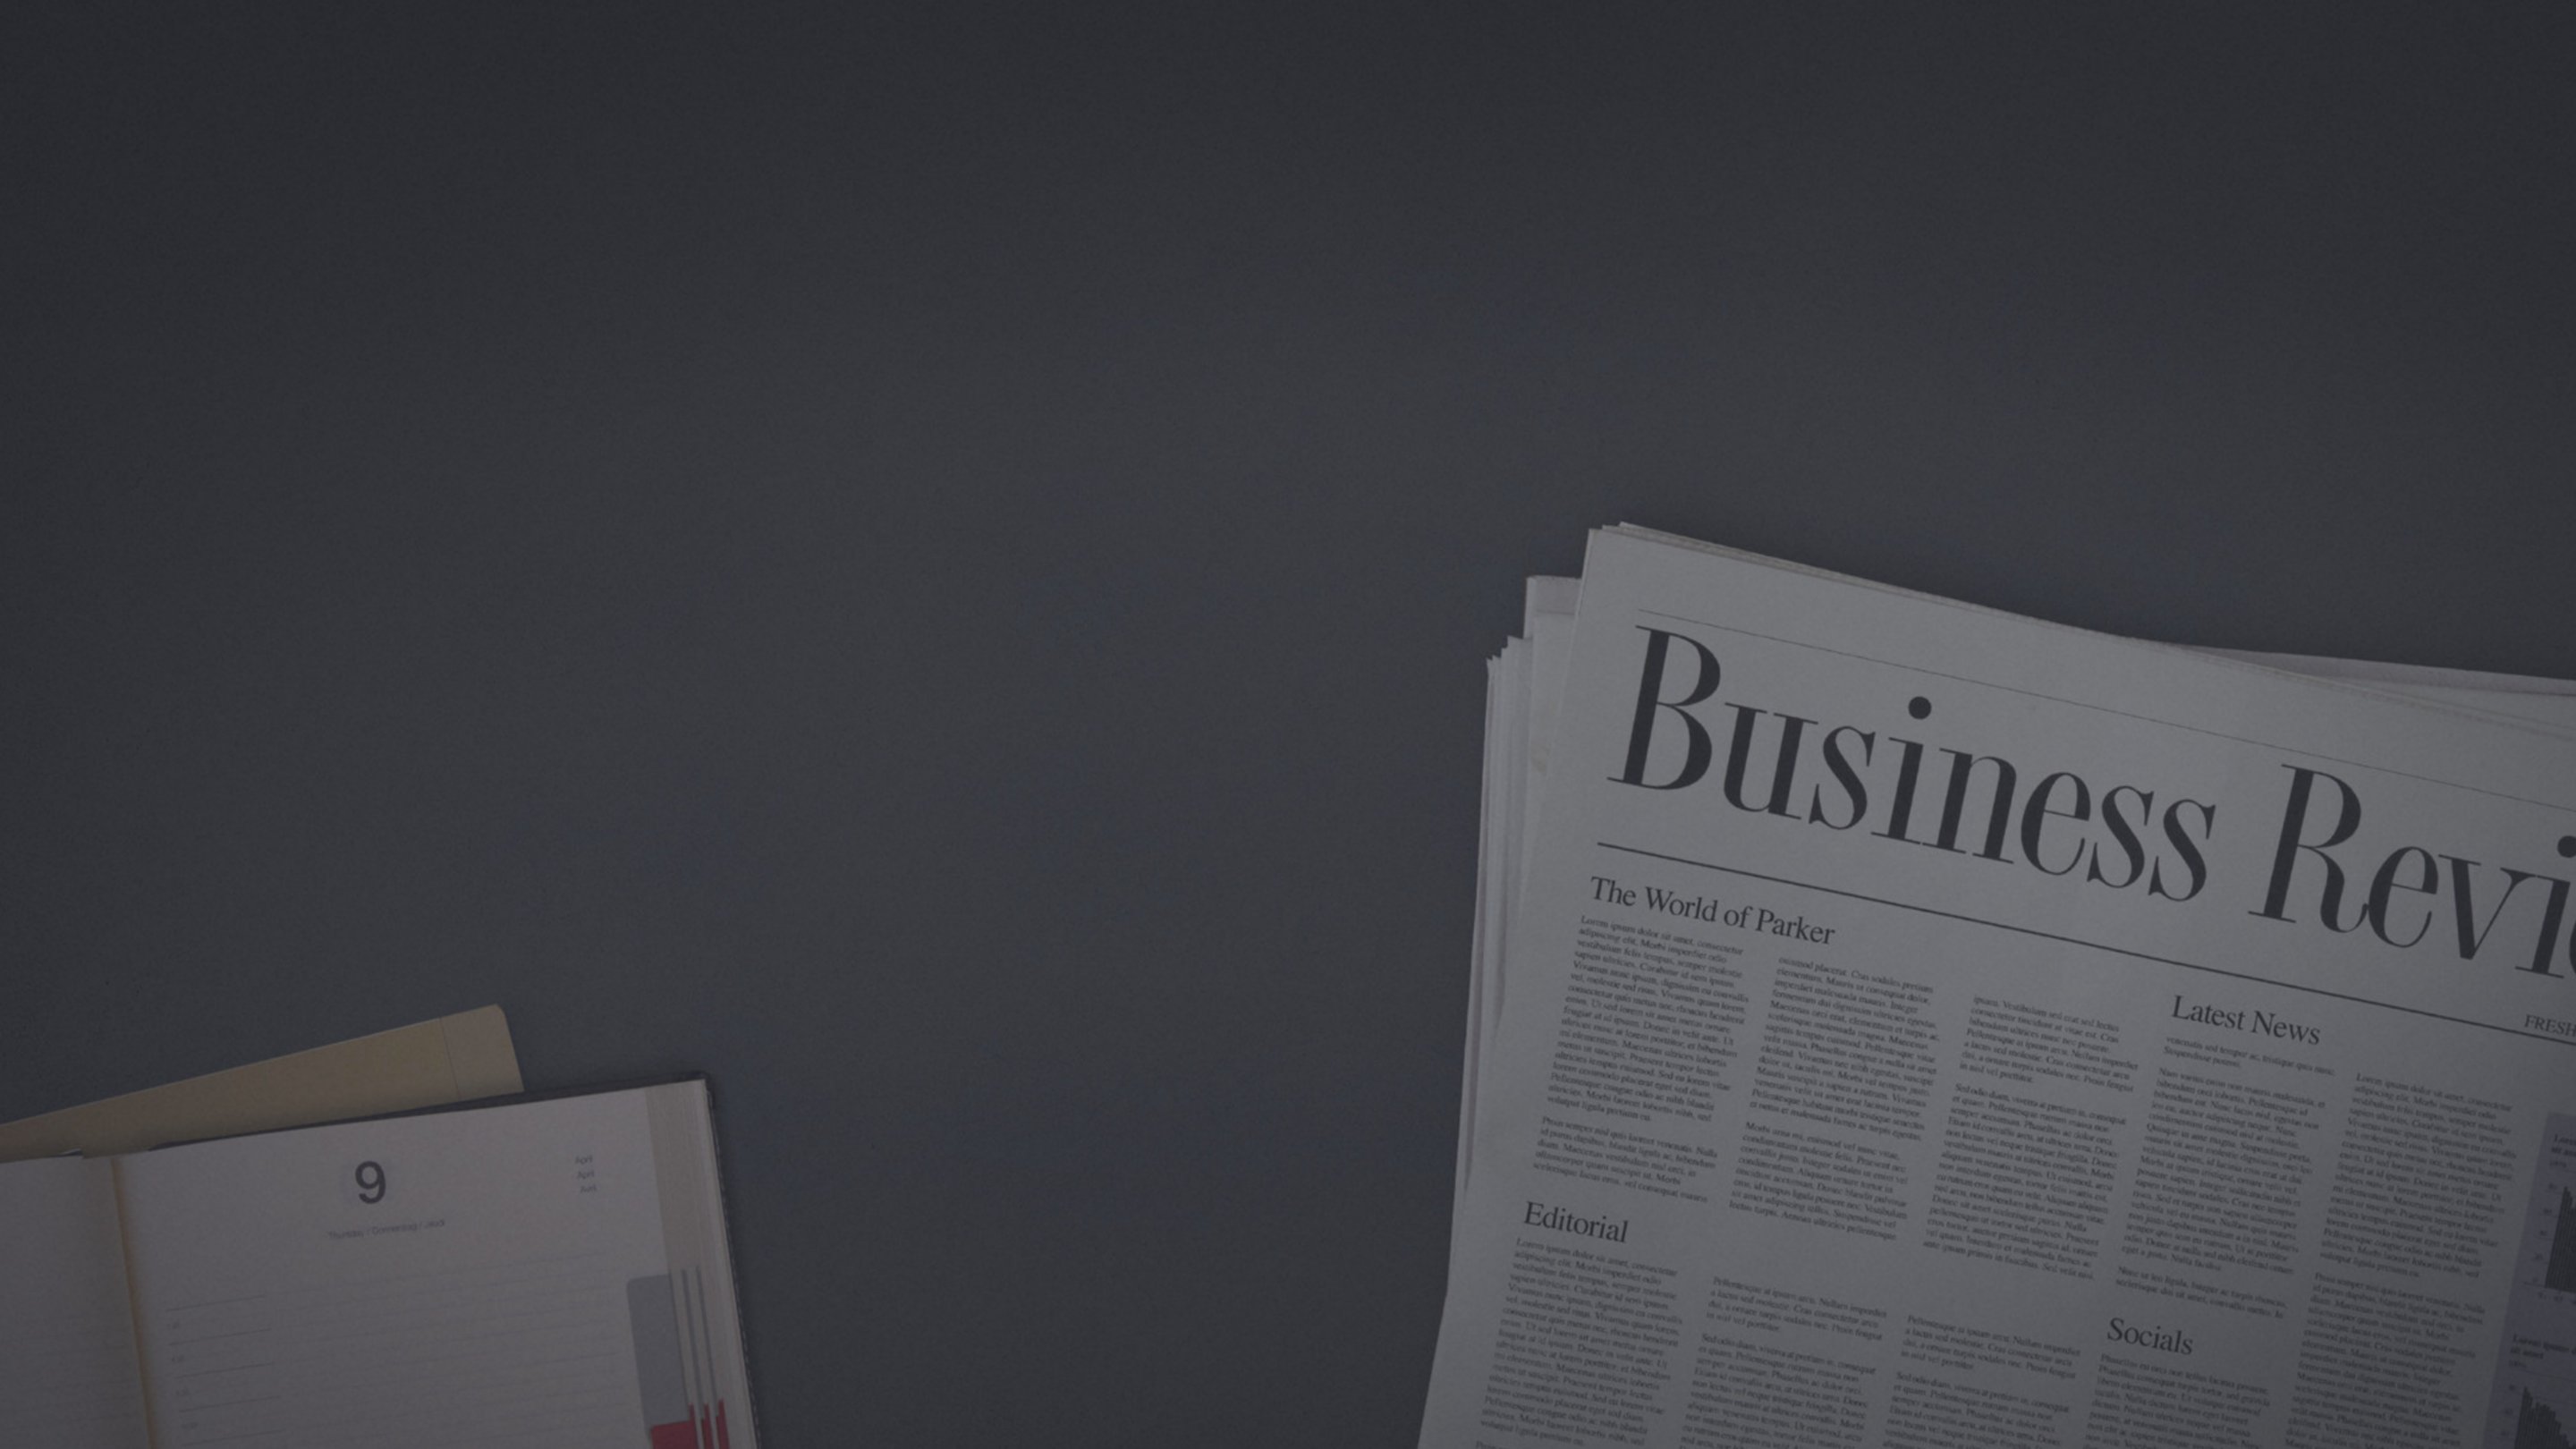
{"x": 371, "y": 1182}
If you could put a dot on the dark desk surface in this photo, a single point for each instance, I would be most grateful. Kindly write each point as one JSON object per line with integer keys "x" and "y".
{"x": 938, "y": 571}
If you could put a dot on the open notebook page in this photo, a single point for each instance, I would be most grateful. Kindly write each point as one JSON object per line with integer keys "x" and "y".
{"x": 67, "y": 1370}
{"x": 461, "y": 1277}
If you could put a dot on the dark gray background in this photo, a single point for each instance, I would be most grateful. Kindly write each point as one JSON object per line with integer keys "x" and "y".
{"x": 937, "y": 569}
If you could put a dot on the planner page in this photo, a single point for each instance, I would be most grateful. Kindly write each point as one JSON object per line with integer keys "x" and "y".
{"x": 460, "y": 1277}
{"x": 67, "y": 1374}
{"x": 703, "y": 1371}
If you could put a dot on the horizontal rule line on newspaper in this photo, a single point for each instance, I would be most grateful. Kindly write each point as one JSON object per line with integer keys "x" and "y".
{"x": 2559, "y": 1038}
{"x": 2106, "y": 709}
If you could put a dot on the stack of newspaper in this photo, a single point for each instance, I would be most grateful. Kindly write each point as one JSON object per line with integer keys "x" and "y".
{"x": 1896, "y": 1022}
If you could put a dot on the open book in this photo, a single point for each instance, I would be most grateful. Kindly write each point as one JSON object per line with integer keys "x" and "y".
{"x": 544, "y": 1272}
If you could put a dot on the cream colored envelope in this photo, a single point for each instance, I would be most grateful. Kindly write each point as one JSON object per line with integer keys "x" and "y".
{"x": 453, "y": 1059}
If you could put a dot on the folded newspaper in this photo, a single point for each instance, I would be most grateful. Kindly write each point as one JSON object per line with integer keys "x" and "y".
{"x": 1900, "y": 1023}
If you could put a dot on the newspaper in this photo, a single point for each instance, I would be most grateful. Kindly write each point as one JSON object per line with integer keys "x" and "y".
{"x": 1964, "y": 1082}
{"x": 1526, "y": 681}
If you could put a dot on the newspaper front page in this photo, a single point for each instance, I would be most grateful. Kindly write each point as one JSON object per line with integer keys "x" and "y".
{"x": 1526, "y": 682}
{"x": 1927, "y": 1027}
